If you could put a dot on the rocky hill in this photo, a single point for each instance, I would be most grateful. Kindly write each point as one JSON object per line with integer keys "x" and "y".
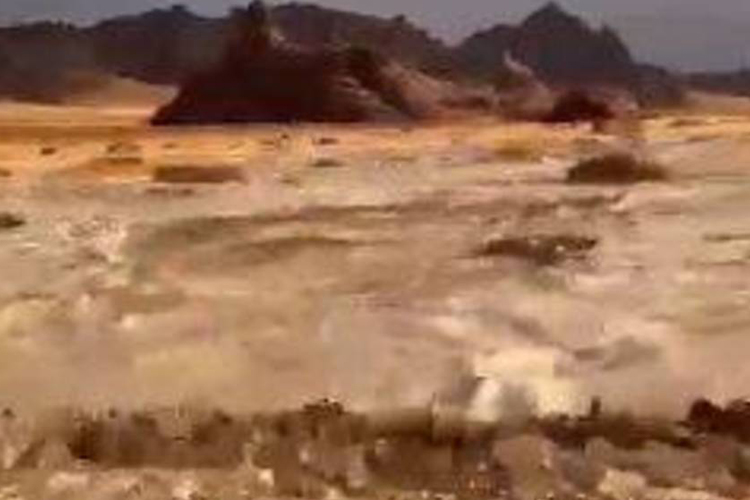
{"x": 161, "y": 46}
{"x": 398, "y": 37}
{"x": 264, "y": 77}
{"x": 564, "y": 51}
{"x": 166, "y": 46}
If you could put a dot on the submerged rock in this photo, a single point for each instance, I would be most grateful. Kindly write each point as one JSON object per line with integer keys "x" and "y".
{"x": 11, "y": 221}
{"x": 541, "y": 250}
{"x": 616, "y": 168}
{"x": 198, "y": 174}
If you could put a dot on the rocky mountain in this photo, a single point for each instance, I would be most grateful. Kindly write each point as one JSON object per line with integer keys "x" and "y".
{"x": 564, "y": 51}
{"x": 166, "y": 46}
{"x": 398, "y": 37}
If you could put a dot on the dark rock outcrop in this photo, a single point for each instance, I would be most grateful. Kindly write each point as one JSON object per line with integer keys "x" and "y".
{"x": 481, "y": 54}
{"x": 396, "y": 38}
{"x": 564, "y": 50}
{"x": 579, "y": 106}
{"x": 264, "y": 78}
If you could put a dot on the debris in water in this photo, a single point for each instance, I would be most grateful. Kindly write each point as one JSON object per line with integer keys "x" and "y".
{"x": 541, "y": 250}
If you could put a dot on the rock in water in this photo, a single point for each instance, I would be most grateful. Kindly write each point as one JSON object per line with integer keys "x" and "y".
{"x": 578, "y": 106}
{"x": 198, "y": 175}
{"x": 11, "y": 221}
{"x": 542, "y": 250}
{"x": 616, "y": 168}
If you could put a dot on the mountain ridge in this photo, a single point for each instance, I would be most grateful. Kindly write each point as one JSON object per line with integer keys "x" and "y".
{"x": 166, "y": 46}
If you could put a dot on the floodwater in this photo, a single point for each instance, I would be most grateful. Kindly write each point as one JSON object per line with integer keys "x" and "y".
{"x": 348, "y": 266}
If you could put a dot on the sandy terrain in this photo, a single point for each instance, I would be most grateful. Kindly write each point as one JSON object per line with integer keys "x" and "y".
{"x": 346, "y": 264}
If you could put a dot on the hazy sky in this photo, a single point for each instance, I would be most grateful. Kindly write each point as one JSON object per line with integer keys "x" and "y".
{"x": 678, "y": 33}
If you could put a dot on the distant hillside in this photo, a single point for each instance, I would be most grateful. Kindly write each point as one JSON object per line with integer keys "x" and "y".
{"x": 161, "y": 46}
{"x": 397, "y": 38}
{"x": 167, "y": 46}
{"x": 38, "y": 62}
{"x": 564, "y": 51}
{"x": 733, "y": 82}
